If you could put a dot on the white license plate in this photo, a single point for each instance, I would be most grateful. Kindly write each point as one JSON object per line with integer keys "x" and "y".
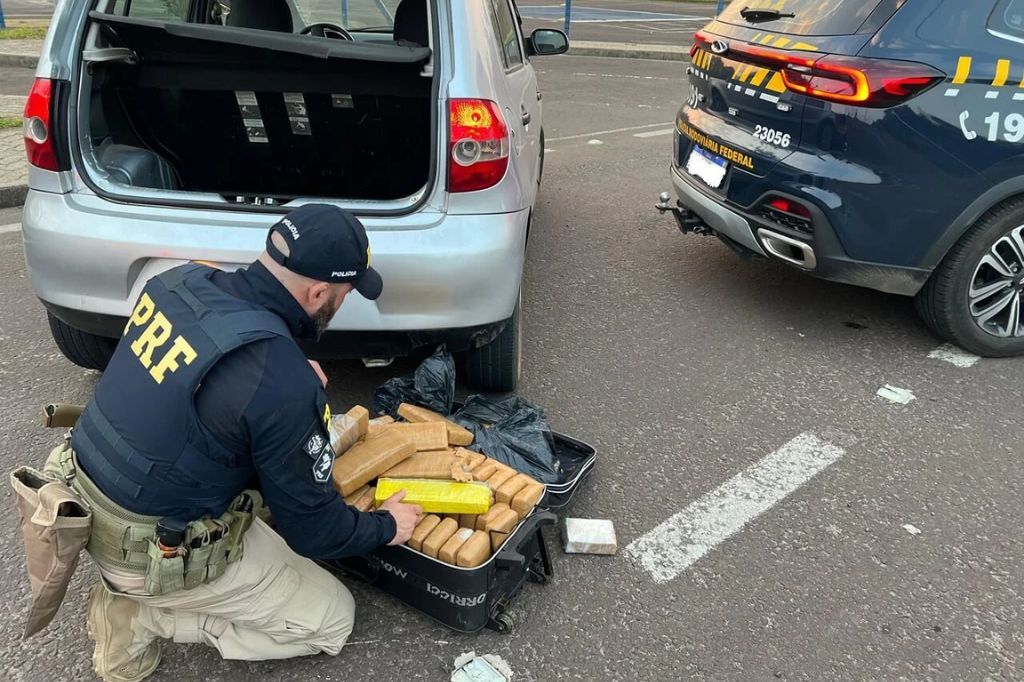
{"x": 708, "y": 167}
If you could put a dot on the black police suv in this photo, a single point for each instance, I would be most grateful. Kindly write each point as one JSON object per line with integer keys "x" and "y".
{"x": 877, "y": 142}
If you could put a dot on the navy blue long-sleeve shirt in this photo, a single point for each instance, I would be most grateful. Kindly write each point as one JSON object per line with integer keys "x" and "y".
{"x": 265, "y": 404}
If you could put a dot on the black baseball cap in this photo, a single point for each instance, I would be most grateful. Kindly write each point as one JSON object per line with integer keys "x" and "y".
{"x": 328, "y": 244}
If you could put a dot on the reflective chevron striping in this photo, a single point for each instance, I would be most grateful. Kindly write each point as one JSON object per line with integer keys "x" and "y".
{"x": 1002, "y": 73}
{"x": 963, "y": 70}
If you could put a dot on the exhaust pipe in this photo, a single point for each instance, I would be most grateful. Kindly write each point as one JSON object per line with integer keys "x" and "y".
{"x": 791, "y": 250}
{"x": 377, "y": 362}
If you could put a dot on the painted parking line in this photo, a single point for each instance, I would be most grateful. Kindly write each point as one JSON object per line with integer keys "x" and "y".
{"x": 6, "y": 229}
{"x": 608, "y": 132}
{"x": 684, "y": 538}
{"x": 954, "y": 356}
{"x": 655, "y": 133}
{"x": 894, "y": 394}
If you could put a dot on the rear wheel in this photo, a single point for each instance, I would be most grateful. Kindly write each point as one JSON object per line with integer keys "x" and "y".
{"x": 496, "y": 366}
{"x": 975, "y": 298}
{"x": 83, "y": 349}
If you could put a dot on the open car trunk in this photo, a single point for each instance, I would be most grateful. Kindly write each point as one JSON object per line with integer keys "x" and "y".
{"x": 255, "y": 115}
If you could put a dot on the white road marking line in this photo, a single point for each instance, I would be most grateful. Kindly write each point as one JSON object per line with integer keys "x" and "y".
{"x": 770, "y": 98}
{"x": 954, "y": 356}
{"x": 900, "y": 396}
{"x": 684, "y": 538}
{"x": 594, "y": 142}
{"x": 655, "y": 133}
{"x": 952, "y": 92}
{"x": 609, "y": 132}
{"x": 1019, "y": 96}
{"x": 548, "y": 150}
{"x": 911, "y": 528}
{"x": 624, "y": 75}
{"x": 14, "y": 227}
{"x": 992, "y": 94}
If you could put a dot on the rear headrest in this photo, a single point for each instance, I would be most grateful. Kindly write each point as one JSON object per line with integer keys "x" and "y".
{"x": 411, "y": 23}
{"x": 268, "y": 15}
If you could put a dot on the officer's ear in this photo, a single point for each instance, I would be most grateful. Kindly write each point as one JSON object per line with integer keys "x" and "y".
{"x": 316, "y": 294}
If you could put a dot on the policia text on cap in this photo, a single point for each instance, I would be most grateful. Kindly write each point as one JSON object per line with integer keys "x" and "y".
{"x": 208, "y": 408}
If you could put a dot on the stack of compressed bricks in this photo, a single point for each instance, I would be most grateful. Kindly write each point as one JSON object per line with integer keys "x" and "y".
{"x": 429, "y": 446}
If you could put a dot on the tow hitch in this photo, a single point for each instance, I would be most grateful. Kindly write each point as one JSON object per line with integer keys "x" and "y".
{"x": 687, "y": 220}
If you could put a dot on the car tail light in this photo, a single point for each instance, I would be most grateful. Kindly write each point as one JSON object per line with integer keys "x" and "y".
{"x": 788, "y": 213}
{"x": 848, "y": 80}
{"x": 693, "y": 50}
{"x": 40, "y": 144}
{"x": 479, "y": 145}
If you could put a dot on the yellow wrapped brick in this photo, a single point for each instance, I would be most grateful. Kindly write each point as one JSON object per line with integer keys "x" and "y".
{"x": 438, "y": 497}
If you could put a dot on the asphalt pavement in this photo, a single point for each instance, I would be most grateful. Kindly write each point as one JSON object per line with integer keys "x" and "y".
{"x": 862, "y": 539}
{"x": 621, "y": 21}
{"x": 21, "y": 10}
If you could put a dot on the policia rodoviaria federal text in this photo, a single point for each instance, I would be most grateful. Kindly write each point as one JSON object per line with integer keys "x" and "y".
{"x": 207, "y": 411}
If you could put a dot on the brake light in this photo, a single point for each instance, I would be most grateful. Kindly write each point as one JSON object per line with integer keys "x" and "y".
{"x": 787, "y": 206}
{"x": 693, "y": 50}
{"x": 478, "y": 145}
{"x": 848, "y": 80}
{"x": 40, "y": 145}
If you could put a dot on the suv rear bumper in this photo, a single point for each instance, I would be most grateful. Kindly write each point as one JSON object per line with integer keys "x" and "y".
{"x": 828, "y": 259}
{"x": 88, "y": 260}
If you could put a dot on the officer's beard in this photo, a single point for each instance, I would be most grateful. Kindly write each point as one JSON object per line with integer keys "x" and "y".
{"x": 322, "y": 318}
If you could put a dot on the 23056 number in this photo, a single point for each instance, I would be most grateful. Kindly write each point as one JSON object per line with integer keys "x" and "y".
{"x": 772, "y": 136}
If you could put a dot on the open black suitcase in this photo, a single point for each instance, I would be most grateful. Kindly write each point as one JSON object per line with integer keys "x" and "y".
{"x": 469, "y": 599}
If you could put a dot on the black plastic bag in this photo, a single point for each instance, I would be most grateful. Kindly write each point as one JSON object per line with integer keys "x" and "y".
{"x": 432, "y": 385}
{"x": 513, "y": 431}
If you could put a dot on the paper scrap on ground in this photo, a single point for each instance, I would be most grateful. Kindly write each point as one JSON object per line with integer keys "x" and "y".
{"x": 900, "y": 396}
{"x": 685, "y": 537}
{"x": 589, "y": 536}
{"x": 912, "y": 529}
{"x": 487, "y": 668}
{"x": 954, "y": 356}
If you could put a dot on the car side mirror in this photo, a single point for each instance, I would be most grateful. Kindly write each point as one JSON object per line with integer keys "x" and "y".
{"x": 547, "y": 41}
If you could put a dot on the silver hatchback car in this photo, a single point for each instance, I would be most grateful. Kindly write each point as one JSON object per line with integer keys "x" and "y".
{"x": 164, "y": 131}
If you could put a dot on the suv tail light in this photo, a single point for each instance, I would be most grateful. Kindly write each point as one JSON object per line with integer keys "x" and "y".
{"x": 478, "y": 145}
{"x": 40, "y": 143}
{"x": 857, "y": 81}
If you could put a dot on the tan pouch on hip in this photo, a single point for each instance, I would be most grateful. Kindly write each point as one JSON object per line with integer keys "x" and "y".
{"x": 55, "y": 525}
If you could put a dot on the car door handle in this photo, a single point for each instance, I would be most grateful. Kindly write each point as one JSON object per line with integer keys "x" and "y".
{"x": 526, "y": 117}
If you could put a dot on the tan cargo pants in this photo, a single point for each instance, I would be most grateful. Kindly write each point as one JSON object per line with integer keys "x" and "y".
{"x": 270, "y": 604}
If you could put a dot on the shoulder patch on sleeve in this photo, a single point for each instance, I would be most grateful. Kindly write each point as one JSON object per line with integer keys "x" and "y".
{"x": 315, "y": 444}
{"x": 323, "y": 465}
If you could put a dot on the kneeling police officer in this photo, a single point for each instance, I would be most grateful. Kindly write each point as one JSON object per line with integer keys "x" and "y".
{"x": 207, "y": 409}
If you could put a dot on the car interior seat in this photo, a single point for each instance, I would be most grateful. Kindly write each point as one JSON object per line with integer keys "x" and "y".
{"x": 267, "y": 15}
{"x": 411, "y": 27}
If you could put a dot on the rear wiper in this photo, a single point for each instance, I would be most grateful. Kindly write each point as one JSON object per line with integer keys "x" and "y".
{"x": 755, "y": 16}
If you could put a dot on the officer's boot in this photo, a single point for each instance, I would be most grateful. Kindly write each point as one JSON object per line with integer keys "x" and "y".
{"x": 125, "y": 651}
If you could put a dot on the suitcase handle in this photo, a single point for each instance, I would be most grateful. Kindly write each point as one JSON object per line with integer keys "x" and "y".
{"x": 510, "y": 559}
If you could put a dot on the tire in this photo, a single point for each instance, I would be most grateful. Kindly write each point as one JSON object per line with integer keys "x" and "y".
{"x": 495, "y": 368}
{"x": 83, "y": 349}
{"x": 974, "y": 265}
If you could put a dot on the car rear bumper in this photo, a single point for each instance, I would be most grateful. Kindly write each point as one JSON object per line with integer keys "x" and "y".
{"x": 88, "y": 260}
{"x": 819, "y": 254}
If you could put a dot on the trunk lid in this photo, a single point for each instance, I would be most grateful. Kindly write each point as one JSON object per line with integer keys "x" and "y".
{"x": 738, "y": 107}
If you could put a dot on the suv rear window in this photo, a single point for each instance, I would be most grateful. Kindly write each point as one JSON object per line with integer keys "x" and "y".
{"x": 812, "y": 17}
{"x": 1007, "y": 21}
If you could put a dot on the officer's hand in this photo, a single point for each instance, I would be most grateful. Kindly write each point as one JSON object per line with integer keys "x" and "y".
{"x": 406, "y": 517}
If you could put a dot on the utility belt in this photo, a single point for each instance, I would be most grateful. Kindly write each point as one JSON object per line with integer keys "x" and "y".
{"x": 62, "y": 511}
{"x": 126, "y": 541}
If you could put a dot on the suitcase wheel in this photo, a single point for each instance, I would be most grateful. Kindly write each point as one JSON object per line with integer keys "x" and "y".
{"x": 503, "y": 623}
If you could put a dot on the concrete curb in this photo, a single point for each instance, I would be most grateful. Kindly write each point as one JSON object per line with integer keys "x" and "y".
{"x": 587, "y": 48}
{"x": 28, "y": 61}
{"x": 12, "y": 196}
{"x": 579, "y": 48}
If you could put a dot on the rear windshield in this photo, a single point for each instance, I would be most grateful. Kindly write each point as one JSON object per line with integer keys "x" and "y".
{"x": 811, "y": 17}
{"x": 356, "y": 15}
{"x": 1007, "y": 21}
